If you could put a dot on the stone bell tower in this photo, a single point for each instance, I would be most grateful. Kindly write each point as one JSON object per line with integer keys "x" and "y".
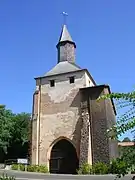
{"x": 68, "y": 125}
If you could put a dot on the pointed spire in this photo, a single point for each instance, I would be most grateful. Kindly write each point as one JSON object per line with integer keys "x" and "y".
{"x": 66, "y": 46}
{"x": 65, "y": 36}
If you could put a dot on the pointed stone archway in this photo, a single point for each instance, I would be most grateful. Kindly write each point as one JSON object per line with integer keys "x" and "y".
{"x": 63, "y": 159}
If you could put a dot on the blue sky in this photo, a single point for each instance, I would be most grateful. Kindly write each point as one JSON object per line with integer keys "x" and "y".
{"x": 104, "y": 32}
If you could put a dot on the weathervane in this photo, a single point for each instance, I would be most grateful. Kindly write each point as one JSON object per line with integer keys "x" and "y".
{"x": 64, "y": 17}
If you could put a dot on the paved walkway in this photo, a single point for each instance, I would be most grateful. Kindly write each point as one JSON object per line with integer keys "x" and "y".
{"x": 40, "y": 176}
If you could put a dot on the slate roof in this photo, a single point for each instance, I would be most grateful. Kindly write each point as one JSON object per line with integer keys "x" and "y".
{"x": 65, "y": 36}
{"x": 62, "y": 67}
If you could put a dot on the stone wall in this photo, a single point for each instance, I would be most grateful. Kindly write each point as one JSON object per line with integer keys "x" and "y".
{"x": 99, "y": 115}
{"x": 100, "y": 148}
{"x": 111, "y": 120}
{"x": 85, "y": 143}
{"x": 89, "y": 83}
{"x": 60, "y": 113}
{"x": 34, "y": 128}
{"x": 66, "y": 52}
{"x": 103, "y": 117}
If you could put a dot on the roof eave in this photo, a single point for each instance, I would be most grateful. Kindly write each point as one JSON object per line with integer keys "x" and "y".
{"x": 68, "y": 73}
{"x": 57, "y": 74}
{"x": 64, "y": 42}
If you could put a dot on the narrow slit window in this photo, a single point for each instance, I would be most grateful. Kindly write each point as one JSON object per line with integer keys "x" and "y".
{"x": 72, "y": 79}
{"x": 52, "y": 83}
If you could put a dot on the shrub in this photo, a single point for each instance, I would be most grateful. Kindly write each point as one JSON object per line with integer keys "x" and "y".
{"x": 6, "y": 177}
{"x": 118, "y": 166}
{"x": 42, "y": 169}
{"x": 32, "y": 168}
{"x": 85, "y": 169}
{"x": 100, "y": 168}
{"x": 36, "y": 168}
{"x": 14, "y": 167}
{"x": 20, "y": 167}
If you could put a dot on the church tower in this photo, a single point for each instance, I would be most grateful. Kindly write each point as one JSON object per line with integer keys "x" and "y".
{"x": 68, "y": 124}
{"x": 66, "y": 47}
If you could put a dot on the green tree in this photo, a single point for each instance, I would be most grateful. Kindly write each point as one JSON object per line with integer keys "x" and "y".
{"x": 14, "y": 131}
{"x": 125, "y": 105}
{"x": 20, "y": 130}
{"x": 6, "y": 124}
{"x": 127, "y": 153}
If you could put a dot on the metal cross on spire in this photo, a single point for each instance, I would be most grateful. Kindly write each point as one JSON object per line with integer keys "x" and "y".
{"x": 65, "y": 17}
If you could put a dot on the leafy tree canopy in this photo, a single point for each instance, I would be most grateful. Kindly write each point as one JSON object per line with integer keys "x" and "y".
{"x": 14, "y": 128}
{"x": 125, "y": 105}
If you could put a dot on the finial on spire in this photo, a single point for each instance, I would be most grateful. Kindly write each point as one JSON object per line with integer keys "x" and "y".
{"x": 65, "y": 35}
{"x": 65, "y": 17}
{"x": 66, "y": 46}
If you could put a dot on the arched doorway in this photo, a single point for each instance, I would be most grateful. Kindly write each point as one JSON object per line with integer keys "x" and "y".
{"x": 63, "y": 158}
